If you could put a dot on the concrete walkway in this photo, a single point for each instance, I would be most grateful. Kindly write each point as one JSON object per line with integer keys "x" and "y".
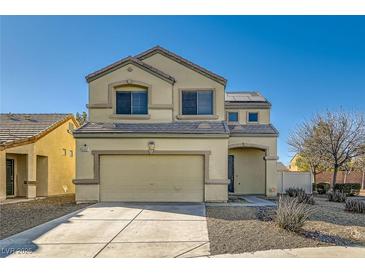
{"x": 313, "y": 252}
{"x": 251, "y": 201}
{"x": 117, "y": 230}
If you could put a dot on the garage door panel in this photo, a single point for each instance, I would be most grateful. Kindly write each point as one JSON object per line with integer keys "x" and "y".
{"x": 154, "y": 178}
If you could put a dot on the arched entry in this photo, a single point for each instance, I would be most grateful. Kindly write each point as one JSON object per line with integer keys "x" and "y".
{"x": 247, "y": 169}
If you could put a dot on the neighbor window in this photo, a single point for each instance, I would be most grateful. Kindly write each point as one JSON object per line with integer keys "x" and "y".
{"x": 253, "y": 117}
{"x": 197, "y": 102}
{"x": 232, "y": 116}
{"x": 134, "y": 102}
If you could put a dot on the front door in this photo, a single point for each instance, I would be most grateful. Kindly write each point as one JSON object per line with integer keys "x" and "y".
{"x": 10, "y": 177}
{"x": 231, "y": 173}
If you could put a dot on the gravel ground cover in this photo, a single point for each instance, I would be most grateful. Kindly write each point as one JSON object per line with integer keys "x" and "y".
{"x": 17, "y": 217}
{"x": 249, "y": 229}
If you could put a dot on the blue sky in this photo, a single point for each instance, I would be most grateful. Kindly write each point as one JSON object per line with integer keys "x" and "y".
{"x": 302, "y": 64}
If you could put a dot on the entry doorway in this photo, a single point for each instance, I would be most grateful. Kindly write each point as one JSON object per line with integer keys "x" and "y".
{"x": 231, "y": 173}
{"x": 10, "y": 186}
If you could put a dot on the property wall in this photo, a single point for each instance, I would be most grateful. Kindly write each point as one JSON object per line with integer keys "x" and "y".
{"x": 249, "y": 170}
{"x": 217, "y": 168}
{"x": 287, "y": 179}
{"x": 264, "y": 115}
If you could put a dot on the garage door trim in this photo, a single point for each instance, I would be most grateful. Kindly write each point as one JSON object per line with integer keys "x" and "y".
{"x": 97, "y": 153}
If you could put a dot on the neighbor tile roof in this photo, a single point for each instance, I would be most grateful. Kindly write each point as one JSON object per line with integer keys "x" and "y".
{"x": 256, "y": 129}
{"x": 18, "y": 127}
{"x": 203, "y": 127}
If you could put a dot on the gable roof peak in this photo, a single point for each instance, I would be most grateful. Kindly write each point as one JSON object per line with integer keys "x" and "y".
{"x": 125, "y": 61}
{"x": 181, "y": 60}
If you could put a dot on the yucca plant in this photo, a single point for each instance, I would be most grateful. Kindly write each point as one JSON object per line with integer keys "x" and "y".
{"x": 291, "y": 215}
{"x": 355, "y": 205}
{"x": 294, "y": 192}
{"x": 303, "y": 197}
{"x": 336, "y": 196}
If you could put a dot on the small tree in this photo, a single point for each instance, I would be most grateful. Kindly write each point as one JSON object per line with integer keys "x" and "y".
{"x": 333, "y": 140}
{"x": 81, "y": 118}
{"x": 308, "y": 158}
{"x": 339, "y": 138}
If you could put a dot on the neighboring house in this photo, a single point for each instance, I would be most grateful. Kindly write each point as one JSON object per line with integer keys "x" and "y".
{"x": 164, "y": 129}
{"x": 36, "y": 154}
{"x": 293, "y": 163}
{"x": 281, "y": 167}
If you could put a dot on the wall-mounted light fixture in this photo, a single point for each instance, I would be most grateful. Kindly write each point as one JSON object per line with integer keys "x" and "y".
{"x": 84, "y": 148}
{"x": 151, "y": 147}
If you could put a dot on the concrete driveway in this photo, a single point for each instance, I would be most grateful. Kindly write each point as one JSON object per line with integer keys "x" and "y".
{"x": 117, "y": 230}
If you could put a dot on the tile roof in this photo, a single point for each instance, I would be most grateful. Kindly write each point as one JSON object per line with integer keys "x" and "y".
{"x": 199, "y": 127}
{"x": 183, "y": 61}
{"x": 18, "y": 127}
{"x": 126, "y": 61}
{"x": 256, "y": 129}
{"x": 203, "y": 127}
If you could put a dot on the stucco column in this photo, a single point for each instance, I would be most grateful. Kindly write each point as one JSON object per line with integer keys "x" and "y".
{"x": 31, "y": 175}
{"x": 271, "y": 175}
{"x": 2, "y": 175}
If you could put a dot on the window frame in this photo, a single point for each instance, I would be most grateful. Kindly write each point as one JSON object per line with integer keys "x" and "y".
{"x": 197, "y": 90}
{"x": 248, "y": 117}
{"x": 230, "y": 121}
{"x": 131, "y": 102}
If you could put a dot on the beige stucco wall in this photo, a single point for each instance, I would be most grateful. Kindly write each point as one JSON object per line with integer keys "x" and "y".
{"x": 264, "y": 115}
{"x": 164, "y": 97}
{"x": 188, "y": 79}
{"x": 269, "y": 144}
{"x": 249, "y": 170}
{"x": 217, "y": 168}
{"x": 61, "y": 167}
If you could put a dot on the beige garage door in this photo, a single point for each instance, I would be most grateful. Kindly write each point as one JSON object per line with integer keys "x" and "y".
{"x": 151, "y": 178}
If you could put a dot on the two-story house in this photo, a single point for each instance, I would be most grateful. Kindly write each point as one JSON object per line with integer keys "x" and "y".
{"x": 163, "y": 129}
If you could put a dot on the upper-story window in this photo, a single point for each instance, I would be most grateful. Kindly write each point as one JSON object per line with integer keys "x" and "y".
{"x": 232, "y": 116}
{"x": 197, "y": 102}
{"x": 253, "y": 117}
{"x": 132, "y": 102}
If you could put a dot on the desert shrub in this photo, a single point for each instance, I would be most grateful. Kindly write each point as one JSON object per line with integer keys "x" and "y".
{"x": 300, "y": 195}
{"x": 355, "y": 205}
{"x": 336, "y": 196}
{"x": 303, "y": 197}
{"x": 291, "y": 215}
{"x": 294, "y": 192}
{"x": 349, "y": 189}
{"x": 322, "y": 188}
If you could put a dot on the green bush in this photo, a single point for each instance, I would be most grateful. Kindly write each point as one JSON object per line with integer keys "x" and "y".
{"x": 322, "y": 188}
{"x": 349, "y": 189}
{"x": 355, "y": 205}
{"x": 291, "y": 215}
{"x": 336, "y": 196}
